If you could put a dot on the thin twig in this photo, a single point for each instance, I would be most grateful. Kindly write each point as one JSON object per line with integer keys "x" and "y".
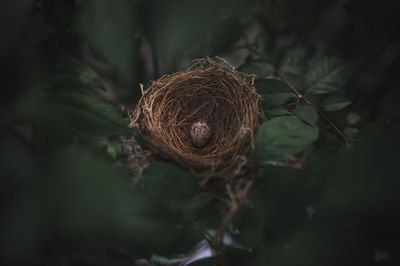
{"x": 252, "y": 49}
{"x": 316, "y": 108}
{"x": 141, "y": 88}
{"x": 236, "y": 199}
{"x": 233, "y": 208}
{"x": 279, "y": 74}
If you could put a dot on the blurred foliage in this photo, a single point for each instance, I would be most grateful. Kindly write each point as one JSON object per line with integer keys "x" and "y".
{"x": 67, "y": 67}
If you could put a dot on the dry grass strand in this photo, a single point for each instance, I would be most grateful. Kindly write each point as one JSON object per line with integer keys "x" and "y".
{"x": 209, "y": 90}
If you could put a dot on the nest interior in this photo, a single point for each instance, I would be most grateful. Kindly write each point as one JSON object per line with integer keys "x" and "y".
{"x": 209, "y": 90}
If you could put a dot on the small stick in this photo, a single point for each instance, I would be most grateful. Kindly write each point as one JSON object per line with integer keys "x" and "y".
{"x": 250, "y": 47}
{"x": 141, "y": 88}
{"x": 235, "y": 202}
{"x": 233, "y": 208}
{"x": 320, "y": 112}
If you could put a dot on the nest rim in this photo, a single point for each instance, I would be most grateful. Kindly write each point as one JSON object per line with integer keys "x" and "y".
{"x": 210, "y": 90}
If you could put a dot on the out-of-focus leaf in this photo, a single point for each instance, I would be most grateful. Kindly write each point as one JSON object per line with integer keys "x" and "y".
{"x": 13, "y": 15}
{"x": 84, "y": 195}
{"x": 306, "y": 245}
{"x": 372, "y": 165}
{"x": 73, "y": 75}
{"x": 327, "y": 75}
{"x": 295, "y": 65}
{"x": 94, "y": 142}
{"x": 249, "y": 223}
{"x": 110, "y": 27}
{"x": 13, "y": 155}
{"x": 260, "y": 40}
{"x": 274, "y": 92}
{"x": 282, "y": 135}
{"x": 334, "y": 103}
{"x": 165, "y": 180}
{"x": 307, "y": 114}
{"x": 114, "y": 148}
{"x": 214, "y": 38}
{"x": 260, "y": 67}
{"x": 89, "y": 114}
{"x": 111, "y": 144}
{"x": 350, "y": 132}
{"x": 174, "y": 34}
{"x": 353, "y": 118}
{"x": 87, "y": 191}
{"x": 178, "y": 195}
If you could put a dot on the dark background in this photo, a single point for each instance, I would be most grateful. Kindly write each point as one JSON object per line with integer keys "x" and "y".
{"x": 64, "y": 200}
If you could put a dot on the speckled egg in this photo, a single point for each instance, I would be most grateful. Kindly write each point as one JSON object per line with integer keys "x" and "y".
{"x": 200, "y": 132}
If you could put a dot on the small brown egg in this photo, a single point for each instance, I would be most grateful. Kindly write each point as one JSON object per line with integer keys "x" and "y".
{"x": 200, "y": 132}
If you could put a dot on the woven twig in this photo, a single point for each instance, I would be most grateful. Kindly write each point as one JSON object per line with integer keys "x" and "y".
{"x": 209, "y": 90}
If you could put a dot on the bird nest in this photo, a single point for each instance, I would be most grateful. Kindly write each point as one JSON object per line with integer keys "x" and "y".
{"x": 208, "y": 92}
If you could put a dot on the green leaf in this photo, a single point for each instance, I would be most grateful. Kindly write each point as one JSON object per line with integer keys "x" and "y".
{"x": 353, "y": 118}
{"x": 274, "y": 92}
{"x": 282, "y": 135}
{"x": 260, "y": 40}
{"x": 295, "y": 65}
{"x": 209, "y": 41}
{"x": 95, "y": 142}
{"x": 334, "y": 103}
{"x": 89, "y": 114}
{"x": 72, "y": 75}
{"x": 114, "y": 149}
{"x": 307, "y": 114}
{"x": 110, "y": 28}
{"x": 350, "y": 132}
{"x": 14, "y": 14}
{"x": 327, "y": 75}
{"x": 182, "y": 30}
{"x": 278, "y": 111}
{"x": 260, "y": 67}
{"x": 164, "y": 180}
